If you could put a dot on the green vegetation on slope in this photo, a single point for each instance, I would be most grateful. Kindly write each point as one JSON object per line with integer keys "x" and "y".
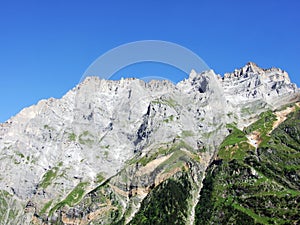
{"x": 262, "y": 186}
{"x": 72, "y": 198}
{"x": 263, "y": 126}
{"x": 9, "y": 211}
{"x": 48, "y": 177}
{"x": 104, "y": 204}
{"x": 101, "y": 199}
{"x": 86, "y": 138}
{"x": 166, "y": 204}
{"x": 169, "y": 102}
{"x": 46, "y": 207}
{"x": 72, "y": 137}
{"x": 162, "y": 151}
{"x": 235, "y": 145}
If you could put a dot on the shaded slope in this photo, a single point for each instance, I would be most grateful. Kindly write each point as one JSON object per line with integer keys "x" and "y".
{"x": 166, "y": 204}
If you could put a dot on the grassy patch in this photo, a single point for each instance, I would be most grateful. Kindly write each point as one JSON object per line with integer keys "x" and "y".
{"x": 86, "y": 138}
{"x": 162, "y": 151}
{"x": 105, "y": 146}
{"x": 235, "y": 136}
{"x": 106, "y": 153}
{"x": 20, "y": 154}
{"x": 246, "y": 111}
{"x": 100, "y": 177}
{"x": 72, "y": 198}
{"x": 169, "y": 119}
{"x": 174, "y": 159}
{"x": 47, "y": 127}
{"x": 235, "y": 145}
{"x": 187, "y": 133}
{"x": 8, "y": 210}
{"x": 48, "y": 177}
{"x": 169, "y": 102}
{"x": 263, "y": 125}
{"x": 72, "y": 137}
{"x": 46, "y": 207}
{"x": 250, "y": 213}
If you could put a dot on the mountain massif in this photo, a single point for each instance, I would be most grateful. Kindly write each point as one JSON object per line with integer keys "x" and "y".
{"x": 208, "y": 150}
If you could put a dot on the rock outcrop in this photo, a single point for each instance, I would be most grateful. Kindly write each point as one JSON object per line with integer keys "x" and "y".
{"x": 97, "y": 152}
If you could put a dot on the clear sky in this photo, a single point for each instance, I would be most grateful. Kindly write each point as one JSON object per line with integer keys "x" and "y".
{"x": 45, "y": 46}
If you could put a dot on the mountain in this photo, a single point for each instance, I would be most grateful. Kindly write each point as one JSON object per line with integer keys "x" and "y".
{"x": 209, "y": 149}
{"x": 255, "y": 177}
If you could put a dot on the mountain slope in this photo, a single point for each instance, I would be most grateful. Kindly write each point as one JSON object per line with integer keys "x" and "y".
{"x": 248, "y": 184}
{"x": 108, "y": 151}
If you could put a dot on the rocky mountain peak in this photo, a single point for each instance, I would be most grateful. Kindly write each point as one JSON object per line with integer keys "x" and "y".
{"x": 249, "y": 69}
{"x": 253, "y": 70}
{"x": 125, "y": 131}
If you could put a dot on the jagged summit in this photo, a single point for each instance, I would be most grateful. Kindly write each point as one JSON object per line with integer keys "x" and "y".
{"x": 251, "y": 69}
{"x": 133, "y": 133}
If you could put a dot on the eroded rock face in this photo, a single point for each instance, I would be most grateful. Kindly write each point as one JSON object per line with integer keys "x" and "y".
{"x": 102, "y": 128}
{"x": 252, "y": 82}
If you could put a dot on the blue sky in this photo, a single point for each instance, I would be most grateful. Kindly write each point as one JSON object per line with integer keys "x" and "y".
{"x": 45, "y": 46}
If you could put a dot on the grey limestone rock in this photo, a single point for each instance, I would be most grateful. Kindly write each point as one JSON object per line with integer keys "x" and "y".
{"x": 95, "y": 128}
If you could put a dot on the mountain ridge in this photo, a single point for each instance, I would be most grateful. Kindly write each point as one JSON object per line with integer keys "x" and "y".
{"x": 105, "y": 131}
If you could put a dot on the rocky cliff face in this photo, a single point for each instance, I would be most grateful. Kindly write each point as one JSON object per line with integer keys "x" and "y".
{"x": 106, "y": 149}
